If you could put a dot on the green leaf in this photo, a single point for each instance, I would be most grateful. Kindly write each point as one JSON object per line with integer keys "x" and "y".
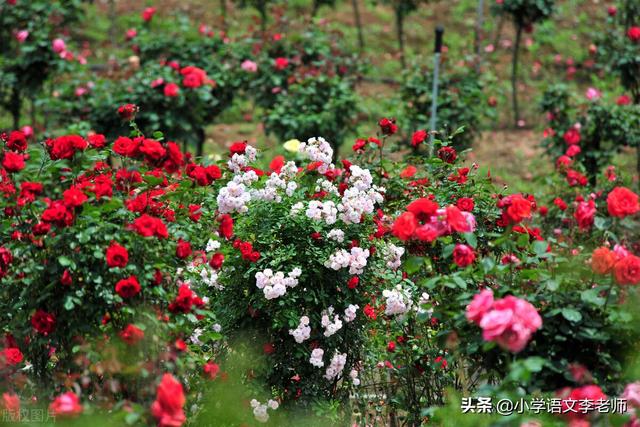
{"x": 540, "y": 247}
{"x": 592, "y": 296}
{"x": 571, "y": 315}
{"x": 471, "y": 239}
{"x": 412, "y": 264}
{"x": 64, "y": 261}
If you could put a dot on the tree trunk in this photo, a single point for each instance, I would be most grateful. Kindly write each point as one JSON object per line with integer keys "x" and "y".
{"x": 514, "y": 75}
{"x": 314, "y": 10}
{"x": 263, "y": 18}
{"x": 479, "y": 35}
{"x": 113, "y": 20}
{"x": 400, "y": 34}
{"x": 356, "y": 14}
{"x": 201, "y": 139}
{"x": 223, "y": 12}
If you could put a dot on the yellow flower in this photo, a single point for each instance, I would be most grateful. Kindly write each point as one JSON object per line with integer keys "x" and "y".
{"x": 292, "y": 145}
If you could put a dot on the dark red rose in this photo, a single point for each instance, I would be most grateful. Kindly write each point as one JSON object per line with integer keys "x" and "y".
{"x": 129, "y": 287}
{"x": 117, "y": 255}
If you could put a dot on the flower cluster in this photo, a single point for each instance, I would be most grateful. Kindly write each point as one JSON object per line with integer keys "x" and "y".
{"x": 275, "y": 285}
{"x": 508, "y": 321}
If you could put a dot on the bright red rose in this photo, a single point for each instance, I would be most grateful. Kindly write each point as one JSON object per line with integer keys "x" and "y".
{"x": 408, "y": 172}
{"x": 216, "y": 261}
{"x": 211, "y": 370}
{"x": 463, "y": 255}
{"x": 152, "y": 150}
{"x": 602, "y": 260}
{"x": 281, "y": 63}
{"x": 391, "y": 346}
{"x": 13, "y": 162}
{"x": 5, "y": 261}
{"x": 126, "y": 147}
{"x": 183, "y": 249}
{"x": 148, "y": 13}
{"x": 97, "y": 140}
{"x": 571, "y": 136}
{"x": 622, "y": 202}
{"x": 423, "y": 209}
{"x": 131, "y": 334}
{"x": 147, "y": 226}
{"x": 171, "y": 90}
{"x": 43, "y": 322}
{"x": 226, "y": 226}
{"x": 184, "y": 301}
{"x": 585, "y": 214}
{"x": 66, "y": 279}
{"x": 465, "y": 204}
{"x": 74, "y": 197}
{"x": 128, "y": 288}
{"x": 457, "y": 220}
{"x": 276, "y": 164}
{"x": 12, "y": 356}
{"x": 519, "y": 208}
{"x": 11, "y": 403}
{"x": 418, "y": 137}
{"x": 167, "y": 409}
{"x": 117, "y": 255}
{"x": 238, "y": 147}
{"x": 194, "y": 77}
{"x": 634, "y": 34}
{"x": 404, "y": 226}
{"x": 67, "y": 404}
{"x": 17, "y": 141}
{"x": 627, "y": 270}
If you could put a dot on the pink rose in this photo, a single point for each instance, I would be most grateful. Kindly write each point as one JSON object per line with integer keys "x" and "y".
{"x": 480, "y": 304}
{"x": 58, "y": 45}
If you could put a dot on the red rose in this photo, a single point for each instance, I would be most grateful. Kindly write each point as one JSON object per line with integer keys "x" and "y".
{"x": 388, "y": 126}
{"x": 465, "y": 204}
{"x": 584, "y": 214}
{"x": 447, "y": 154}
{"x": 391, "y": 347}
{"x": 634, "y": 34}
{"x": 117, "y": 255}
{"x": 276, "y": 164}
{"x": 148, "y": 13}
{"x": 66, "y": 279}
{"x": 13, "y": 162}
{"x": 561, "y": 204}
{"x": 74, "y": 197}
{"x": 194, "y": 77}
{"x": 171, "y": 90}
{"x": 126, "y": 147}
{"x": 97, "y": 140}
{"x": 183, "y": 301}
{"x": 623, "y": 100}
{"x": 627, "y": 270}
{"x": 404, "y": 226}
{"x": 152, "y": 150}
{"x": 353, "y": 282}
{"x": 131, "y": 334}
{"x": 518, "y": 208}
{"x": 408, "y": 172}
{"x": 418, "y": 137}
{"x": 571, "y": 136}
{"x": 12, "y": 356}
{"x": 43, "y": 322}
{"x": 128, "y": 288}
{"x": 211, "y": 370}
{"x": 226, "y": 226}
{"x": 67, "y": 404}
{"x": 463, "y": 255}
{"x": 602, "y": 260}
{"x": 147, "y": 226}
{"x": 17, "y": 141}
{"x": 216, "y": 261}
{"x": 281, "y": 63}
{"x": 237, "y": 148}
{"x": 423, "y": 209}
{"x": 128, "y": 112}
{"x": 457, "y": 220}
{"x": 5, "y": 261}
{"x": 622, "y": 202}
{"x": 183, "y": 249}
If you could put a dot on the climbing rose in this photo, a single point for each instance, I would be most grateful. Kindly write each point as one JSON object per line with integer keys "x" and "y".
{"x": 43, "y": 322}
{"x": 463, "y": 255}
{"x": 131, "y": 334}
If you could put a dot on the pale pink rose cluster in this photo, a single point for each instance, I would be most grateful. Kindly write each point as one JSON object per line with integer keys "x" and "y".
{"x": 509, "y": 321}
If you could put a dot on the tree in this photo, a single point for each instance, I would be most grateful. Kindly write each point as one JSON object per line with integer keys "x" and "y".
{"x": 524, "y": 14}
